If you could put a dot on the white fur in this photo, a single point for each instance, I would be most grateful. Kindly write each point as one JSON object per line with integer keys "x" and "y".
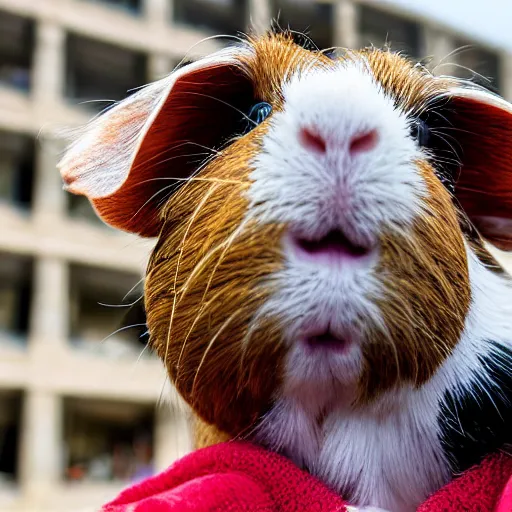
{"x": 387, "y": 454}
{"x": 316, "y": 193}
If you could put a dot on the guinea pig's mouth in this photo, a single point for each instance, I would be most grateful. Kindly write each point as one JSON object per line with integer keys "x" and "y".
{"x": 328, "y": 341}
{"x": 334, "y": 245}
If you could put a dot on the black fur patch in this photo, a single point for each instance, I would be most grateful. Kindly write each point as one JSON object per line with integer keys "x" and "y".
{"x": 478, "y": 421}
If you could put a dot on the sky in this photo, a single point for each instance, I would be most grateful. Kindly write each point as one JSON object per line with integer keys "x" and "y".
{"x": 487, "y": 20}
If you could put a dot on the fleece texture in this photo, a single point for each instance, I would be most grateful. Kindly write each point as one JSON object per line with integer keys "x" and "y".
{"x": 240, "y": 477}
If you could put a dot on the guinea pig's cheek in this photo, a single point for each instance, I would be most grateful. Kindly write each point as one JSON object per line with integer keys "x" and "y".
{"x": 426, "y": 295}
{"x": 209, "y": 275}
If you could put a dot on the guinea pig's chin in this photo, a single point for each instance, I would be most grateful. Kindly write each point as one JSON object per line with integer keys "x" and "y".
{"x": 323, "y": 363}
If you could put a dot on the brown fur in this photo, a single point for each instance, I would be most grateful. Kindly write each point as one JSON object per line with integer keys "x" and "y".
{"x": 199, "y": 312}
{"x": 427, "y": 296}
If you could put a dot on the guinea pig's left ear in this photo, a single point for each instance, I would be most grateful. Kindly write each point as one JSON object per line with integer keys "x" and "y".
{"x": 481, "y": 125}
{"x": 129, "y": 159}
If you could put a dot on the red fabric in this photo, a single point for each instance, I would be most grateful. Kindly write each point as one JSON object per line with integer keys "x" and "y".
{"x": 239, "y": 477}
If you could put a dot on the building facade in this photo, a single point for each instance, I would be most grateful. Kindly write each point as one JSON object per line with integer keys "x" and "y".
{"x": 78, "y": 415}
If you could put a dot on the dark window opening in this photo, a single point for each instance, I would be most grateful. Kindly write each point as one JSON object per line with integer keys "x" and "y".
{"x": 312, "y": 18}
{"x": 219, "y": 16}
{"x": 100, "y": 303}
{"x": 15, "y": 297}
{"x": 108, "y": 441}
{"x": 16, "y": 169}
{"x": 16, "y": 49}
{"x": 99, "y": 73}
{"x": 132, "y": 6}
{"x": 477, "y": 64}
{"x": 10, "y": 420}
{"x": 379, "y": 28}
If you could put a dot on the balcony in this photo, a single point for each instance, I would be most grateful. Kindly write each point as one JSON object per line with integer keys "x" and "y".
{"x": 313, "y": 18}
{"x": 107, "y": 441}
{"x": 378, "y": 28}
{"x": 97, "y": 73}
{"x": 100, "y": 318}
{"x": 16, "y": 50}
{"x": 216, "y": 16}
{"x": 15, "y": 297}
{"x": 16, "y": 169}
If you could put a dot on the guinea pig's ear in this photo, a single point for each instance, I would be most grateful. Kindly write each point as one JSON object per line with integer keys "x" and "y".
{"x": 130, "y": 159}
{"x": 480, "y": 123}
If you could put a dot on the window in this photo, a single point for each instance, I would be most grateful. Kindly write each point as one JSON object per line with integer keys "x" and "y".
{"x": 15, "y": 296}
{"x": 16, "y": 169}
{"x": 107, "y": 441}
{"x": 99, "y": 309}
{"x": 79, "y": 207}
{"x": 132, "y": 6}
{"x": 219, "y": 16}
{"x": 101, "y": 71}
{"x": 10, "y": 419}
{"x": 313, "y": 18}
{"x": 16, "y": 47}
{"x": 473, "y": 61}
{"x": 378, "y": 28}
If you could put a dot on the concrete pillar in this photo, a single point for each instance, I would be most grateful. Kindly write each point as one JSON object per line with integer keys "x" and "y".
{"x": 49, "y": 55}
{"x": 439, "y": 46}
{"x": 49, "y": 197}
{"x": 158, "y": 12}
{"x": 506, "y": 75}
{"x": 172, "y": 435}
{"x": 50, "y": 299}
{"x": 259, "y": 16}
{"x": 346, "y": 24}
{"x": 41, "y": 456}
{"x": 159, "y": 66}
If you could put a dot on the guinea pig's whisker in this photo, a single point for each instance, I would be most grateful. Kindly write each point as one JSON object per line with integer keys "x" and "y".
{"x": 210, "y": 345}
{"x": 165, "y": 160}
{"x": 209, "y": 96}
{"x": 156, "y": 194}
{"x": 230, "y": 241}
{"x": 203, "y": 307}
{"x": 475, "y": 191}
{"x": 146, "y": 348}
{"x": 453, "y": 53}
{"x": 120, "y": 330}
{"x": 199, "y": 266}
{"x": 193, "y": 178}
{"x": 171, "y": 187}
{"x": 205, "y": 39}
{"x": 178, "y": 263}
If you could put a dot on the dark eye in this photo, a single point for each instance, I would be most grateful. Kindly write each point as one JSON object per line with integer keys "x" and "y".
{"x": 420, "y": 132}
{"x": 257, "y": 115}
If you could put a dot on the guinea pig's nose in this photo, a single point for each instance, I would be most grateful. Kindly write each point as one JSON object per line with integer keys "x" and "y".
{"x": 363, "y": 142}
{"x": 358, "y": 143}
{"x": 312, "y": 140}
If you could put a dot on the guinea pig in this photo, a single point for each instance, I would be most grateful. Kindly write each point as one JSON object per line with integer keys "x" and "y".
{"x": 320, "y": 283}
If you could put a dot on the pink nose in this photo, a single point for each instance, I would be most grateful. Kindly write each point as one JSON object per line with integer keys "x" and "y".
{"x": 363, "y": 142}
{"x": 360, "y": 143}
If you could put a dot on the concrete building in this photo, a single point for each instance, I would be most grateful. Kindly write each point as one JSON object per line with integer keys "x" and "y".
{"x": 76, "y": 412}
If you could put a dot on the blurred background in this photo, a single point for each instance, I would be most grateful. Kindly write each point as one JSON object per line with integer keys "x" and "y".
{"x": 78, "y": 404}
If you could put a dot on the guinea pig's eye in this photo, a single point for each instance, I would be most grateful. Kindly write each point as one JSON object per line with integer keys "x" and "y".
{"x": 257, "y": 115}
{"x": 420, "y": 132}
